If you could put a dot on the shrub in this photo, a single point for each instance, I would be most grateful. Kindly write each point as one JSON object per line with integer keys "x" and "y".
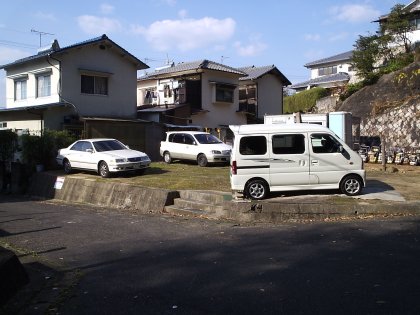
{"x": 303, "y": 101}
{"x": 8, "y": 144}
{"x": 43, "y": 149}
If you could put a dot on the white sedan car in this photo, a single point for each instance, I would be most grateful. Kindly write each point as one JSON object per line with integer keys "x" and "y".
{"x": 104, "y": 156}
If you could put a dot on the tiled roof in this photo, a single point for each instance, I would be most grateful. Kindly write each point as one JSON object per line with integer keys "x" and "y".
{"x": 254, "y": 73}
{"x": 192, "y": 66}
{"x": 346, "y": 56}
{"x": 55, "y": 49}
{"x": 338, "y": 77}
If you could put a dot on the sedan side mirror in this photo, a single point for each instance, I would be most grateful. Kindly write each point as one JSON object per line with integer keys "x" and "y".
{"x": 89, "y": 150}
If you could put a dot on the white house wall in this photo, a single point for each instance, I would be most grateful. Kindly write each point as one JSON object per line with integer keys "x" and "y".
{"x": 30, "y": 69}
{"x": 122, "y": 82}
{"x": 218, "y": 113}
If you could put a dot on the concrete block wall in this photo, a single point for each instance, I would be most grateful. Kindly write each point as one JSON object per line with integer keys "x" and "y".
{"x": 101, "y": 193}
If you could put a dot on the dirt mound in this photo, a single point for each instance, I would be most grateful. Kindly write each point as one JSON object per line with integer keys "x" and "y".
{"x": 392, "y": 90}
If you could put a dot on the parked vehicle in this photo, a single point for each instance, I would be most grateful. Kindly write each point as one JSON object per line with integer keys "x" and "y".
{"x": 104, "y": 156}
{"x": 363, "y": 152}
{"x": 292, "y": 157}
{"x": 197, "y": 146}
{"x": 414, "y": 158}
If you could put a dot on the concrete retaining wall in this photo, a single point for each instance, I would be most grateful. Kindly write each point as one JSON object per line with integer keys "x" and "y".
{"x": 106, "y": 194}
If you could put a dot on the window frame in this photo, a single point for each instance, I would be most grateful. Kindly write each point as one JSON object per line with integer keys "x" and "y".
{"x": 44, "y": 90}
{"x": 296, "y": 140}
{"x": 258, "y": 139}
{"x": 86, "y": 90}
{"x": 15, "y": 86}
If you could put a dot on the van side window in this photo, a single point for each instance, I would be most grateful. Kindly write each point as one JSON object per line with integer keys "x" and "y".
{"x": 178, "y": 138}
{"x": 324, "y": 143}
{"x": 288, "y": 144}
{"x": 253, "y": 145}
{"x": 188, "y": 139}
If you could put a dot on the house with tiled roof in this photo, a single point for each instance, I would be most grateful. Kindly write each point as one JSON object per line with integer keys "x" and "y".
{"x": 201, "y": 93}
{"x": 332, "y": 73}
{"x": 412, "y": 11}
{"x": 58, "y": 86}
{"x": 261, "y": 92}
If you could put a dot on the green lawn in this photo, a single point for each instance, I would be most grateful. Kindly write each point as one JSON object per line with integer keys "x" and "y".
{"x": 179, "y": 176}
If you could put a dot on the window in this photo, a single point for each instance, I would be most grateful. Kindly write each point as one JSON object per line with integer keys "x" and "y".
{"x": 94, "y": 85}
{"x": 3, "y": 124}
{"x": 224, "y": 93}
{"x": 288, "y": 144}
{"x": 324, "y": 143}
{"x": 327, "y": 70}
{"x": 20, "y": 90}
{"x": 253, "y": 145}
{"x": 43, "y": 85}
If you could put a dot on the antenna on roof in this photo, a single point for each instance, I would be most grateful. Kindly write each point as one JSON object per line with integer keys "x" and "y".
{"x": 222, "y": 58}
{"x": 40, "y": 35}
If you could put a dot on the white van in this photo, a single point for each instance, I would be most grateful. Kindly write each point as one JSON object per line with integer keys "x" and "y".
{"x": 292, "y": 157}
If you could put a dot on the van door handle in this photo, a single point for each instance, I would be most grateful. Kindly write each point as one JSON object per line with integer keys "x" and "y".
{"x": 315, "y": 162}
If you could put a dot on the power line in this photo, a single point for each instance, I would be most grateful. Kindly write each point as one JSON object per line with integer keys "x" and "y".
{"x": 4, "y": 42}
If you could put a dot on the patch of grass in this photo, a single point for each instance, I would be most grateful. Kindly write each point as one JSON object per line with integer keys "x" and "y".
{"x": 176, "y": 176}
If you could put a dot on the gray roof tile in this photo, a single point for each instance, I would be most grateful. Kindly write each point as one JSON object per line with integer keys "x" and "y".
{"x": 338, "y": 77}
{"x": 254, "y": 73}
{"x": 346, "y": 56}
{"x": 56, "y": 49}
{"x": 191, "y": 66}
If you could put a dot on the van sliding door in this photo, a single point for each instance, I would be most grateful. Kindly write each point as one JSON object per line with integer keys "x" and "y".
{"x": 289, "y": 161}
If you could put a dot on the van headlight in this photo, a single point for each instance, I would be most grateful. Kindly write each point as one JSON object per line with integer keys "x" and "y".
{"x": 216, "y": 152}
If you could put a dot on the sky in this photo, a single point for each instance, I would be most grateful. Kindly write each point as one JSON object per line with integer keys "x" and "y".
{"x": 287, "y": 34}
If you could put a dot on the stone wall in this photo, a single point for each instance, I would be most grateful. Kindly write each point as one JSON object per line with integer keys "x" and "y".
{"x": 399, "y": 127}
{"x": 326, "y": 105}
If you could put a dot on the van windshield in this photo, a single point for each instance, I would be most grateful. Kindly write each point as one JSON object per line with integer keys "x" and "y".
{"x": 205, "y": 138}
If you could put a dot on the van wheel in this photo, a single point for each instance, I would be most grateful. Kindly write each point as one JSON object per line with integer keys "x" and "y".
{"x": 167, "y": 157}
{"x": 202, "y": 160}
{"x": 351, "y": 185}
{"x": 256, "y": 189}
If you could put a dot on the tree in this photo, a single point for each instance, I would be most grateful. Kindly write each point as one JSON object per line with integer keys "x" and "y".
{"x": 398, "y": 26}
{"x": 366, "y": 55}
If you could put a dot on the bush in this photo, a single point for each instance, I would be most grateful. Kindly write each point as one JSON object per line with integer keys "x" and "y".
{"x": 43, "y": 149}
{"x": 303, "y": 101}
{"x": 8, "y": 144}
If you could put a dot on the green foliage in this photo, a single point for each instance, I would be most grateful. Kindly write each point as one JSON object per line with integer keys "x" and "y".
{"x": 399, "y": 62}
{"x": 8, "y": 144}
{"x": 43, "y": 149}
{"x": 365, "y": 55}
{"x": 303, "y": 101}
{"x": 397, "y": 26}
{"x": 350, "y": 89}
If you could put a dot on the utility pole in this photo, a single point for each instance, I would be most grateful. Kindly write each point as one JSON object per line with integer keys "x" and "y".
{"x": 40, "y": 35}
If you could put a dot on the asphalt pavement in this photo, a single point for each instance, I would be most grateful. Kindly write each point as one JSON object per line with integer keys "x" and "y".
{"x": 90, "y": 260}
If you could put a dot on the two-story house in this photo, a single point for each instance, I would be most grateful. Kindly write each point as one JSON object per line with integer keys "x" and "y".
{"x": 57, "y": 87}
{"x": 412, "y": 11}
{"x": 261, "y": 92}
{"x": 331, "y": 73}
{"x": 200, "y": 93}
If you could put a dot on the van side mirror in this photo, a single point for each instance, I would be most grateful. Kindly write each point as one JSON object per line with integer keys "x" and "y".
{"x": 341, "y": 149}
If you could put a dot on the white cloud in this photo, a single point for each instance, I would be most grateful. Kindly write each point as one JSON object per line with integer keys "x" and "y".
{"x": 45, "y": 16}
{"x": 182, "y": 14}
{"x": 312, "y": 37}
{"x": 253, "y": 48}
{"x": 187, "y": 34}
{"x": 106, "y": 8}
{"x": 354, "y": 13}
{"x": 312, "y": 55}
{"x": 98, "y": 25}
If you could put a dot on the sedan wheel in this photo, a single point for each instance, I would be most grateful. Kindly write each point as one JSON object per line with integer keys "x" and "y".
{"x": 67, "y": 167}
{"x": 104, "y": 170}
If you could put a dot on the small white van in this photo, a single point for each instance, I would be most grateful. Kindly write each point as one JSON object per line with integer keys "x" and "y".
{"x": 292, "y": 157}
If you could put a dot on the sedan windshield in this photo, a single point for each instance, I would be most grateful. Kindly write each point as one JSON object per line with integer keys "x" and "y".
{"x": 108, "y": 145}
{"x": 204, "y": 138}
